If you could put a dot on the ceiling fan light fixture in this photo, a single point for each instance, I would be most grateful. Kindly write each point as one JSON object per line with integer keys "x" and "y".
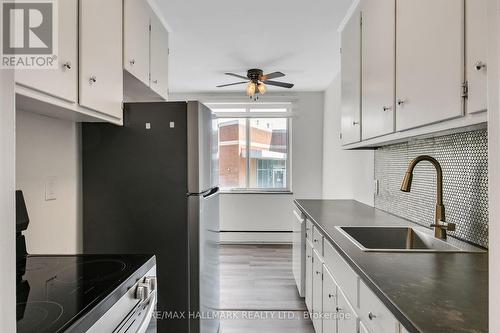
{"x": 251, "y": 89}
{"x": 262, "y": 88}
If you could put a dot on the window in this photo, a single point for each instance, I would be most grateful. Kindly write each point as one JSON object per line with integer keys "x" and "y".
{"x": 253, "y": 147}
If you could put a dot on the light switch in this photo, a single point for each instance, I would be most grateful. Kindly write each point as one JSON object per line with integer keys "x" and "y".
{"x": 172, "y": 124}
{"x": 148, "y": 126}
{"x": 51, "y": 189}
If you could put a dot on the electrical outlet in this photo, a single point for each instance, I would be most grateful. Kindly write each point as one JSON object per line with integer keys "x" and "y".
{"x": 51, "y": 189}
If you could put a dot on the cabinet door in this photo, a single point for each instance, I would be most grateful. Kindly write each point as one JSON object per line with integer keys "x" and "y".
{"x": 309, "y": 276}
{"x": 136, "y": 38}
{"x": 317, "y": 300}
{"x": 378, "y": 67}
{"x": 101, "y": 54}
{"x": 351, "y": 80}
{"x": 159, "y": 58}
{"x": 347, "y": 319}
{"x": 329, "y": 302}
{"x": 63, "y": 82}
{"x": 476, "y": 41}
{"x": 429, "y": 61}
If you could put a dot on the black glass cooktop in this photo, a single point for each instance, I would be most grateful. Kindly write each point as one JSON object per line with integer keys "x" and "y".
{"x": 54, "y": 293}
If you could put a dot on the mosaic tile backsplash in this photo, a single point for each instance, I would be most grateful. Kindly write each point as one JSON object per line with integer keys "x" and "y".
{"x": 464, "y": 159}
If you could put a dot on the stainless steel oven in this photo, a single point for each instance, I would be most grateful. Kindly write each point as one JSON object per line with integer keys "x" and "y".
{"x": 134, "y": 312}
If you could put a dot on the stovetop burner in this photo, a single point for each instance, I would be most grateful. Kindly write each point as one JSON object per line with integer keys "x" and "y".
{"x": 37, "y": 316}
{"x": 54, "y": 292}
{"x": 91, "y": 271}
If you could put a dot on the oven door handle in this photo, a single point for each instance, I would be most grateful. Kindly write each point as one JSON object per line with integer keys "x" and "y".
{"x": 149, "y": 313}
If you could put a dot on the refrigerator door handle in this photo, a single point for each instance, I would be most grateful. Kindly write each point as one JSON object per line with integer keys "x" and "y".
{"x": 213, "y": 191}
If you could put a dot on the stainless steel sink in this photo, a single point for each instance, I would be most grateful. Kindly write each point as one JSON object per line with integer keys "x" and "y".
{"x": 401, "y": 239}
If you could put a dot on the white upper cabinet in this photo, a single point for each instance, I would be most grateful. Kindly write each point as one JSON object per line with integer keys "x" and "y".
{"x": 351, "y": 79}
{"x": 61, "y": 83}
{"x": 159, "y": 58}
{"x": 429, "y": 61}
{"x": 476, "y": 41}
{"x": 137, "y": 17}
{"x": 378, "y": 67}
{"x": 101, "y": 54}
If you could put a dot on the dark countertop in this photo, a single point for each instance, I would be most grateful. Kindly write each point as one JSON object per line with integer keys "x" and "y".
{"x": 426, "y": 292}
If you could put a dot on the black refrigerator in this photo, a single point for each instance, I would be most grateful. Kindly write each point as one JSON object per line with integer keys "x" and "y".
{"x": 151, "y": 187}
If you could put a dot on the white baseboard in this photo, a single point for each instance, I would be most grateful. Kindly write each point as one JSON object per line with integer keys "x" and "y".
{"x": 256, "y": 237}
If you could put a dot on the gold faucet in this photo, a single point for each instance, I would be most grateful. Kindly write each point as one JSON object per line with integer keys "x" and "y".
{"x": 440, "y": 226}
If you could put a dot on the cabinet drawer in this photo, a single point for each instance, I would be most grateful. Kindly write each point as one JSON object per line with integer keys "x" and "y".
{"x": 345, "y": 276}
{"x": 318, "y": 241}
{"x": 373, "y": 313}
{"x": 309, "y": 230}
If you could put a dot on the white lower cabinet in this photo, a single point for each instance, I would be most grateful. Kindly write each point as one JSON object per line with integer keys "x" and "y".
{"x": 329, "y": 302}
{"x": 338, "y": 300}
{"x": 374, "y": 314}
{"x": 347, "y": 319}
{"x": 309, "y": 275}
{"x": 317, "y": 294}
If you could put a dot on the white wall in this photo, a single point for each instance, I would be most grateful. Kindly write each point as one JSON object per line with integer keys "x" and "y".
{"x": 49, "y": 148}
{"x": 269, "y": 212}
{"x": 494, "y": 163}
{"x": 346, "y": 174}
{"x": 7, "y": 203}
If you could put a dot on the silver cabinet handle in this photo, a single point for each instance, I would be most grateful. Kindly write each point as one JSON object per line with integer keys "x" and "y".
{"x": 401, "y": 101}
{"x": 355, "y": 123}
{"x": 386, "y": 108}
{"x": 371, "y": 316}
{"x": 479, "y": 66}
{"x": 155, "y": 81}
{"x": 331, "y": 296}
{"x": 132, "y": 62}
{"x": 338, "y": 309}
{"x": 318, "y": 272}
{"x": 67, "y": 65}
{"x": 92, "y": 80}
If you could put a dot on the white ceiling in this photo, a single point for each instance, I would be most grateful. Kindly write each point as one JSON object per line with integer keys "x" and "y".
{"x": 210, "y": 37}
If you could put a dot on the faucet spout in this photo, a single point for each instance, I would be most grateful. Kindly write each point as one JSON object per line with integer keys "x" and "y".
{"x": 439, "y": 225}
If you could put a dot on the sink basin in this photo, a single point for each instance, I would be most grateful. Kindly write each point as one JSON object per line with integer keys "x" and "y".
{"x": 399, "y": 239}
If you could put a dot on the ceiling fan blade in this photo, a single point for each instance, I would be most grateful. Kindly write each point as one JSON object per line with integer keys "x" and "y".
{"x": 271, "y": 76}
{"x": 238, "y": 76}
{"x": 231, "y": 84}
{"x": 279, "y": 84}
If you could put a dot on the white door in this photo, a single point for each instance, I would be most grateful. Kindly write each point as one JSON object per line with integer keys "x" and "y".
{"x": 347, "y": 319}
{"x": 378, "y": 67}
{"x": 429, "y": 61}
{"x": 329, "y": 302}
{"x": 317, "y": 298}
{"x": 159, "y": 58}
{"x": 476, "y": 41}
{"x": 136, "y": 38}
{"x": 63, "y": 82}
{"x": 309, "y": 275}
{"x": 351, "y": 80}
{"x": 101, "y": 55}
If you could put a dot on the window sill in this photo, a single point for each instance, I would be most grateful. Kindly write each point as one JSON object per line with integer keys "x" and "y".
{"x": 285, "y": 192}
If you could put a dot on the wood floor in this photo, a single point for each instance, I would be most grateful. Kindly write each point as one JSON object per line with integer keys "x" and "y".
{"x": 258, "y": 292}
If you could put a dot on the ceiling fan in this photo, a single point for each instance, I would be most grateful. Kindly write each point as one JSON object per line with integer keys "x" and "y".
{"x": 257, "y": 81}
